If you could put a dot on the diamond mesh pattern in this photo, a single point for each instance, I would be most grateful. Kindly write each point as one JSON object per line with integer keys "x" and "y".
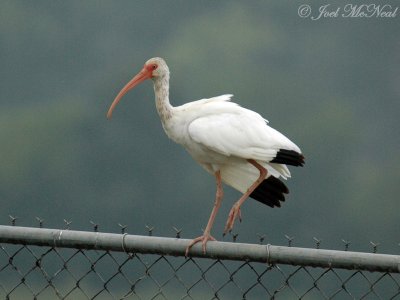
{"x": 33, "y": 272}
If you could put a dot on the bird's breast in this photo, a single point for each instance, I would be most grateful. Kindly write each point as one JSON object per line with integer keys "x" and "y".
{"x": 204, "y": 155}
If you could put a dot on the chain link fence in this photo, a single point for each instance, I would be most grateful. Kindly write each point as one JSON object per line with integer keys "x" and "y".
{"x": 38, "y": 263}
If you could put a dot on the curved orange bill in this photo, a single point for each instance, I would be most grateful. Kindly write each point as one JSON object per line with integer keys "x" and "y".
{"x": 142, "y": 76}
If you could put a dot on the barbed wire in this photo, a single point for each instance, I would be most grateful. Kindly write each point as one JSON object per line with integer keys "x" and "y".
{"x": 177, "y": 232}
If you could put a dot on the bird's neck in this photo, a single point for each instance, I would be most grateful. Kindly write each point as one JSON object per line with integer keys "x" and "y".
{"x": 161, "y": 90}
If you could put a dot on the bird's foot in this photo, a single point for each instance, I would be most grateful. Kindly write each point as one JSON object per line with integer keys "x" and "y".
{"x": 203, "y": 239}
{"x": 233, "y": 214}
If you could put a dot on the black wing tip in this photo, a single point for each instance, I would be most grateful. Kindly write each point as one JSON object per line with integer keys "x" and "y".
{"x": 289, "y": 157}
{"x": 270, "y": 192}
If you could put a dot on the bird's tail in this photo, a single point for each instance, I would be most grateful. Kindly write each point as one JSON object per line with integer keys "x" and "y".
{"x": 241, "y": 175}
{"x": 270, "y": 192}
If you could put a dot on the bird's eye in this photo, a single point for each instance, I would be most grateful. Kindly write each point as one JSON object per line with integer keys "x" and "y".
{"x": 151, "y": 67}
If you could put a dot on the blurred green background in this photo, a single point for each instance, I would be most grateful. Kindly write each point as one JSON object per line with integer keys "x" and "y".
{"x": 331, "y": 85}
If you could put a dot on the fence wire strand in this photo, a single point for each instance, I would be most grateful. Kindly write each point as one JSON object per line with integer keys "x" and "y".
{"x": 41, "y": 270}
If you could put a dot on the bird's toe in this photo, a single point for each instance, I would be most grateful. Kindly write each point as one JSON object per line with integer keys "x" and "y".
{"x": 203, "y": 239}
{"x": 233, "y": 214}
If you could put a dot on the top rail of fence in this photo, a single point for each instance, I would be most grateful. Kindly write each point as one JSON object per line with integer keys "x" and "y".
{"x": 269, "y": 254}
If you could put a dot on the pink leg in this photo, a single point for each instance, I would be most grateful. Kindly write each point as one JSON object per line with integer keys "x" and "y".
{"x": 235, "y": 211}
{"x": 206, "y": 234}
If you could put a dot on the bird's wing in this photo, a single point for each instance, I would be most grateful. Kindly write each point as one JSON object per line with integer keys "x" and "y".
{"x": 236, "y": 131}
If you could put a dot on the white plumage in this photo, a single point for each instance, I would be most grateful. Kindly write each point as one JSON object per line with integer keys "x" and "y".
{"x": 231, "y": 142}
{"x": 220, "y": 134}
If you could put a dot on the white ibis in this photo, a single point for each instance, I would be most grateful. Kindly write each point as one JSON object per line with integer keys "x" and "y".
{"x": 233, "y": 143}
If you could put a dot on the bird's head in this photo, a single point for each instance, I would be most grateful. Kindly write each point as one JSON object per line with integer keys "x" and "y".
{"x": 155, "y": 68}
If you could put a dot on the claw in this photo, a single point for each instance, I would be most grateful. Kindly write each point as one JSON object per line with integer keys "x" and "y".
{"x": 203, "y": 239}
{"x": 233, "y": 214}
